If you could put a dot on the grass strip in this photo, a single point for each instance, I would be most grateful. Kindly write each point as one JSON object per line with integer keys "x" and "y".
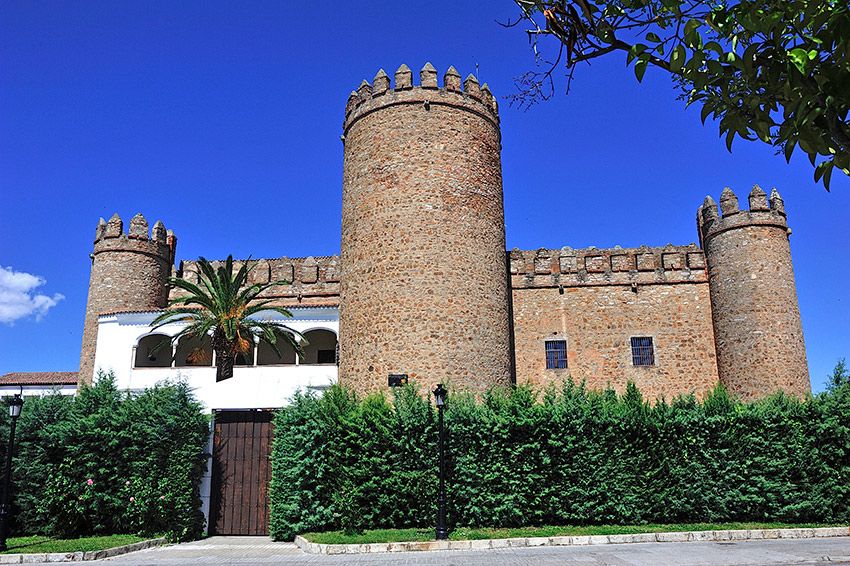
{"x": 40, "y": 544}
{"x": 466, "y": 533}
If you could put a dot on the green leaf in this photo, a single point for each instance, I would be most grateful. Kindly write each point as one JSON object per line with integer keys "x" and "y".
{"x": 677, "y": 58}
{"x": 706, "y": 110}
{"x": 635, "y": 50}
{"x": 730, "y": 137}
{"x": 640, "y": 69}
{"x": 800, "y": 58}
{"x": 789, "y": 149}
{"x": 714, "y": 46}
{"x": 653, "y": 37}
{"x": 748, "y": 58}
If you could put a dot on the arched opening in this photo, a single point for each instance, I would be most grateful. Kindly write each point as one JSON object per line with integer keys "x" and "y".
{"x": 193, "y": 351}
{"x": 153, "y": 351}
{"x": 266, "y": 356}
{"x": 321, "y": 348}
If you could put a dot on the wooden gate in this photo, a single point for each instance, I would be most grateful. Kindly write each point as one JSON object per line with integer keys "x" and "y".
{"x": 241, "y": 472}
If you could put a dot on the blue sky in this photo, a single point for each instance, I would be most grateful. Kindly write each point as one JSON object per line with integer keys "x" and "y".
{"x": 223, "y": 120}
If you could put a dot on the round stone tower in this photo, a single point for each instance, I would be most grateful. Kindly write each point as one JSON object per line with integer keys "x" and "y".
{"x": 129, "y": 273}
{"x": 424, "y": 280}
{"x": 757, "y": 329}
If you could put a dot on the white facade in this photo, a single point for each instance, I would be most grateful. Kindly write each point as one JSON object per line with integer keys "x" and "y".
{"x": 253, "y": 386}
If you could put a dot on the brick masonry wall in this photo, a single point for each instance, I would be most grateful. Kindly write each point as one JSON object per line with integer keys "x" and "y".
{"x": 759, "y": 335}
{"x": 129, "y": 272}
{"x": 313, "y": 281}
{"x": 424, "y": 286}
{"x": 586, "y": 298}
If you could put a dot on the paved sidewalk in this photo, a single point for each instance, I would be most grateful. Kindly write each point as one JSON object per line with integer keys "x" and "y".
{"x": 260, "y": 550}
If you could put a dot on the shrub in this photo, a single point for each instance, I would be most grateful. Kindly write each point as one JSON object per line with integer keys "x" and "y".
{"x": 561, "y": 456}
{"x": 106, "y": 462}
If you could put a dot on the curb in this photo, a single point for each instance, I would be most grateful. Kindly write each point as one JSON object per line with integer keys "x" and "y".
{"x": 486, "y": 544}
{"x": 79, "y": 556}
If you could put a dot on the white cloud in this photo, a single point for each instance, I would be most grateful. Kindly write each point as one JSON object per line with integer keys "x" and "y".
{"x": 18, "y": 299}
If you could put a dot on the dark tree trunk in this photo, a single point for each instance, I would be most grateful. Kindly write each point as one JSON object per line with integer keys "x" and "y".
{"x": 224, "y": 365}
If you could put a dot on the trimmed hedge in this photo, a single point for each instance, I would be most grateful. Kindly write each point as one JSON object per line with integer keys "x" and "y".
{"x": 107, "y": 462}
{"x": 567, "y": 456}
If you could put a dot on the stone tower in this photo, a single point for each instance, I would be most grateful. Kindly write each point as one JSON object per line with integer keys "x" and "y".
{"x": 129, "y": 272}
{"x": 424, "y": 279}
{"x": 757, "y": 329}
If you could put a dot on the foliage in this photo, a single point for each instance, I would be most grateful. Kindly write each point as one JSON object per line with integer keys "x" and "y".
{"x": 840, "y": 375}
{"x": 564, "y": 456}
{"x": 773, "y": 70}
{"x": 106, "y": 462}
{"x": 224, "y": 304}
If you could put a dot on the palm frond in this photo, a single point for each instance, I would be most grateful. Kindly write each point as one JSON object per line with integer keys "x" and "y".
{"x": 223, "y": 305}
{"x": 175, "y": 315}
{"x": 264, "y": 306}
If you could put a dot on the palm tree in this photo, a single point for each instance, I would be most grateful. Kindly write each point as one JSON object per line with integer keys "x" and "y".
{"x": 223, "y": 305}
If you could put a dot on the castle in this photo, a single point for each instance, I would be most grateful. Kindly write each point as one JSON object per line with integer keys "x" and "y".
{"x": 424, "y": 287}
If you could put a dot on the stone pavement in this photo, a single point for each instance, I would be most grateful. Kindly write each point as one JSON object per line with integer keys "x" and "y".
{"x": 260, "y": 550}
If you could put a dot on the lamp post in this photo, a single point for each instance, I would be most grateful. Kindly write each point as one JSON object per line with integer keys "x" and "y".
{"x": 440, "y": 395}
{"x": 5, "y": 506}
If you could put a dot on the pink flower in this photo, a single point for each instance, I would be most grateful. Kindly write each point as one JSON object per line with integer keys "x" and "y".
{"x": 127, "y": 482}
{"x": 162, "y": 498}
{"x": 132, "y": 499}
{"x": 90, "y": 481}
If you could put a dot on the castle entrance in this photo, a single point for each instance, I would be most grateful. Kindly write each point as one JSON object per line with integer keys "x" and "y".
{"x": 241, "y": 470}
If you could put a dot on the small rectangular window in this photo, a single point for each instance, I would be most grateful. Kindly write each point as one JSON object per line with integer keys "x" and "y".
{"x": 643, "y": 353}
{"x": 326, "y": 357}
{"x": 556, "y": 354}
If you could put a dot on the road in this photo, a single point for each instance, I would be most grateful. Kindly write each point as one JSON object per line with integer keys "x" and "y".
{"x": 260, "y": 550}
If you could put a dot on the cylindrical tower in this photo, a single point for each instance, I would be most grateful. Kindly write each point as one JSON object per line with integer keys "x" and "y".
{"x": 424, "y": 285}
{"x": 129, "y": 272}
{"x": 757, "y": 329}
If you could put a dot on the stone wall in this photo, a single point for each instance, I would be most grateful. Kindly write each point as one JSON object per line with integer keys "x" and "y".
{"x": 129, "y": 273}
{"x": 757, "y": 326}
{"x": 597, "y": 300}
{"x": 423, "y": 241}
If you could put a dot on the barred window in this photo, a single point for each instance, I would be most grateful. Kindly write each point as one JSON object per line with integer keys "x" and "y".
{"x": 643, "y": 353}
{"x": 556, "y": 354}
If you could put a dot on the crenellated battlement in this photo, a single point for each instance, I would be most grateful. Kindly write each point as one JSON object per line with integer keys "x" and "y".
{"x": 466, "y": 94}
{"x": 129, "y": 273}
{"x": 568, "y": 267}
{"x": 313, "y": 280}
{"x": 754, "y": 308}
{"x": 110, "y": 236}
{"x": 763, "y": 211}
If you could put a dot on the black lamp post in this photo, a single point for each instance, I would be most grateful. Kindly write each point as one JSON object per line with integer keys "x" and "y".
{"x": 5, "y": 506}
{"x": 440, "y": 395}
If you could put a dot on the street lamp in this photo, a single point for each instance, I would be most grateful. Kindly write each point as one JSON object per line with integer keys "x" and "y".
{"x": 440, "y": 395}
{"x": 5, "y": 506}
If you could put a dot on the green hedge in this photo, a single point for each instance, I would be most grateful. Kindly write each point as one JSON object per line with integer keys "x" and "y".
{"x": 106, "y": 462}
{"x": 567, "y": 456}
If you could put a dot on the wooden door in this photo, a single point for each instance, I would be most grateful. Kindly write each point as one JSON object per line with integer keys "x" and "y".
{"x": 242, "y": 442}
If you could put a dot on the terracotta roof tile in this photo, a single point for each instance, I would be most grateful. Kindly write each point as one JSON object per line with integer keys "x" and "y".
{"x": 39, "y": 378}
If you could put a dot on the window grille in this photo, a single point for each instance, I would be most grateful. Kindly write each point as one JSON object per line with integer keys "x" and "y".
{"x": 643, "y": 353}
{"x": 556, "y": 354}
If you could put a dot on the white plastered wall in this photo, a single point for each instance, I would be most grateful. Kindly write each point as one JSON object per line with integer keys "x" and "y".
{"x": 254, "y": 387}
